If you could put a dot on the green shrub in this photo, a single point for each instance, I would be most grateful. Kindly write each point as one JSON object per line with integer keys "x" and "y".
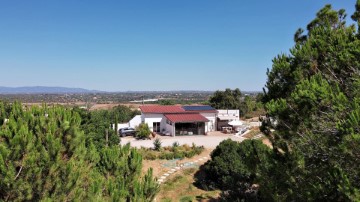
{"x": 166, "y": 155}
{"x": 248, "y": 117}
{"x": 235, "y": 166}
{"x": 179, "y": 155}
{"x": 175, "y": 146}
{"x": 186, "y": 199}
{"x": 149, "y": 155}
{"x": 190, "y": 154}
{"x": 143, "y": 131}
{"x": 157, "y": 144}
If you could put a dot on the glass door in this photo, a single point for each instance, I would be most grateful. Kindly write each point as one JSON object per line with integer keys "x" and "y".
{"x": 156, "y": 127}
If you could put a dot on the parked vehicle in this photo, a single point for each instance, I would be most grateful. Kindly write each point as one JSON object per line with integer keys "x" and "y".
{"x": 127, "y": 131}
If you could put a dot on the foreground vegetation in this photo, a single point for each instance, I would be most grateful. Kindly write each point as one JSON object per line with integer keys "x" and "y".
{"x": 312, "y": 100}
{"x": 44, "y": 155}
{"x": 174, "y": 152}
{"x": 181, "y": 188}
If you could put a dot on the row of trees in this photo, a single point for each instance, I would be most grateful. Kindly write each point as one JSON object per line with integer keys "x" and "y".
{"x": 234, "y": 99}
{"x": 312, "y": 100}
{"x": 96, "y": 124}
{"x": 45, "y": 155}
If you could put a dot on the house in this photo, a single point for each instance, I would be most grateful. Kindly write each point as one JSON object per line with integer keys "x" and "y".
{"x": 179, "y": 120}
{"x": 224, "y": 116}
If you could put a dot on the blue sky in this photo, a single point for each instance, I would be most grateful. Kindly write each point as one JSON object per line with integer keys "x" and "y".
{"x": 149, "y": 44}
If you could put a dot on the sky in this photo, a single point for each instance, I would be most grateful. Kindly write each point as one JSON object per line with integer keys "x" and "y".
{"x": 132, "y": 45}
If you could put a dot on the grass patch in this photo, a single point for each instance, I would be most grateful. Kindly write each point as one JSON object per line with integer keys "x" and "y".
{"x": 186, "y": 199}
{"x": 172, "y": 183}
{"x": 181, "y": 188}
{"x": 190, "y": 171}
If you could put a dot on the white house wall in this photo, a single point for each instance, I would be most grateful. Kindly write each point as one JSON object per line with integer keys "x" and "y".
{"x": 164, "y": 127}
{"x": 211, "y": 125}
{"x": 229, "y": 112}
{"x": 151, "y": 118}
{"x": 170, "y": 129}
{"x": 134, "y": 122}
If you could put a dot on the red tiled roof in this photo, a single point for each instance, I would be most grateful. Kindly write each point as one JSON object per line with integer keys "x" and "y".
{"x": 175, "y": 118}
{"x": 161, "y": 109}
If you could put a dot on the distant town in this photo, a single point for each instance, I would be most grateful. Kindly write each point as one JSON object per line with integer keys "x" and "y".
{"x": 83, "y": 97}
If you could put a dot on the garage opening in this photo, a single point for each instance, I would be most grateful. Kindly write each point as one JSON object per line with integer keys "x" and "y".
{"x": 194, "y": 128}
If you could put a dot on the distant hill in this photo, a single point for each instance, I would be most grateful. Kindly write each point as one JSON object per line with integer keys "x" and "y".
{"x": 43, "y": 89}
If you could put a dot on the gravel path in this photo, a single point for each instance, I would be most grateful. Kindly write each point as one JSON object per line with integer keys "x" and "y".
{"x": 208, "y": 141}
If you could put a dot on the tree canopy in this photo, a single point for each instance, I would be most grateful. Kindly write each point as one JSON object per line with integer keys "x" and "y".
{"x": 235, "y": 167}
{"x": 312, "y": 101}
{"x": 44, "y": 156}
{"x": 228, "y": 99}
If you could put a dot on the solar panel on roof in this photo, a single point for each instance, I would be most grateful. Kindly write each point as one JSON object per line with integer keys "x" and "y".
{"x": 198, "y": 108}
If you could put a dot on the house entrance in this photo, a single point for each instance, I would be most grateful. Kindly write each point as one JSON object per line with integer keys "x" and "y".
{"x": 156, "y": 127}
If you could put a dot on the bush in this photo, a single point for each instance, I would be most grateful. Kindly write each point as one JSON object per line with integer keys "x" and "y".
{"x": 199, "y": 150}
{"x": 157, "y": 144}
{"x": 149, "y": 155}
{"x": 168, "y": 153}
{"x": 179, "y": 155}
{"x": 143, "y": 131}
{"x": 234, "y": 167}
{"x": 175, "y": 146}
{"x": 186, "y": 199}
{"x": 190, "y": 154}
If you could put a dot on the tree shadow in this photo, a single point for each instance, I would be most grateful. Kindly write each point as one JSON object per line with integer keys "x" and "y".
{"x": 201, "y": 180}
{"x": 206, "y": 198}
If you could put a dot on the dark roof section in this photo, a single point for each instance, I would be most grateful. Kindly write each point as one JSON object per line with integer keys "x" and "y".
{"x": 199, "y": 108}
{"x": 161, "y": 109}
{"x": 178, "y": 118}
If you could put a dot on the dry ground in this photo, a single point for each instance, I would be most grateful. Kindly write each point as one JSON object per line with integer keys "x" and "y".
{"x": 110, "y": 106}
{"x": 180, "y": 186}
{"x": 208, "y": 141}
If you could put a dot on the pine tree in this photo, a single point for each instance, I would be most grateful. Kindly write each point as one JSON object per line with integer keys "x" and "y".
{"x": 312, "y": 101}
{"x": 43, "y": 156}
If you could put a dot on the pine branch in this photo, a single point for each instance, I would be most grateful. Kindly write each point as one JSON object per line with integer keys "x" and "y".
{"x": 18, "y": 173}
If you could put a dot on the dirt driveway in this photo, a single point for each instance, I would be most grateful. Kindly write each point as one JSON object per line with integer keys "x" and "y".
{"x": 208, "y": 141}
